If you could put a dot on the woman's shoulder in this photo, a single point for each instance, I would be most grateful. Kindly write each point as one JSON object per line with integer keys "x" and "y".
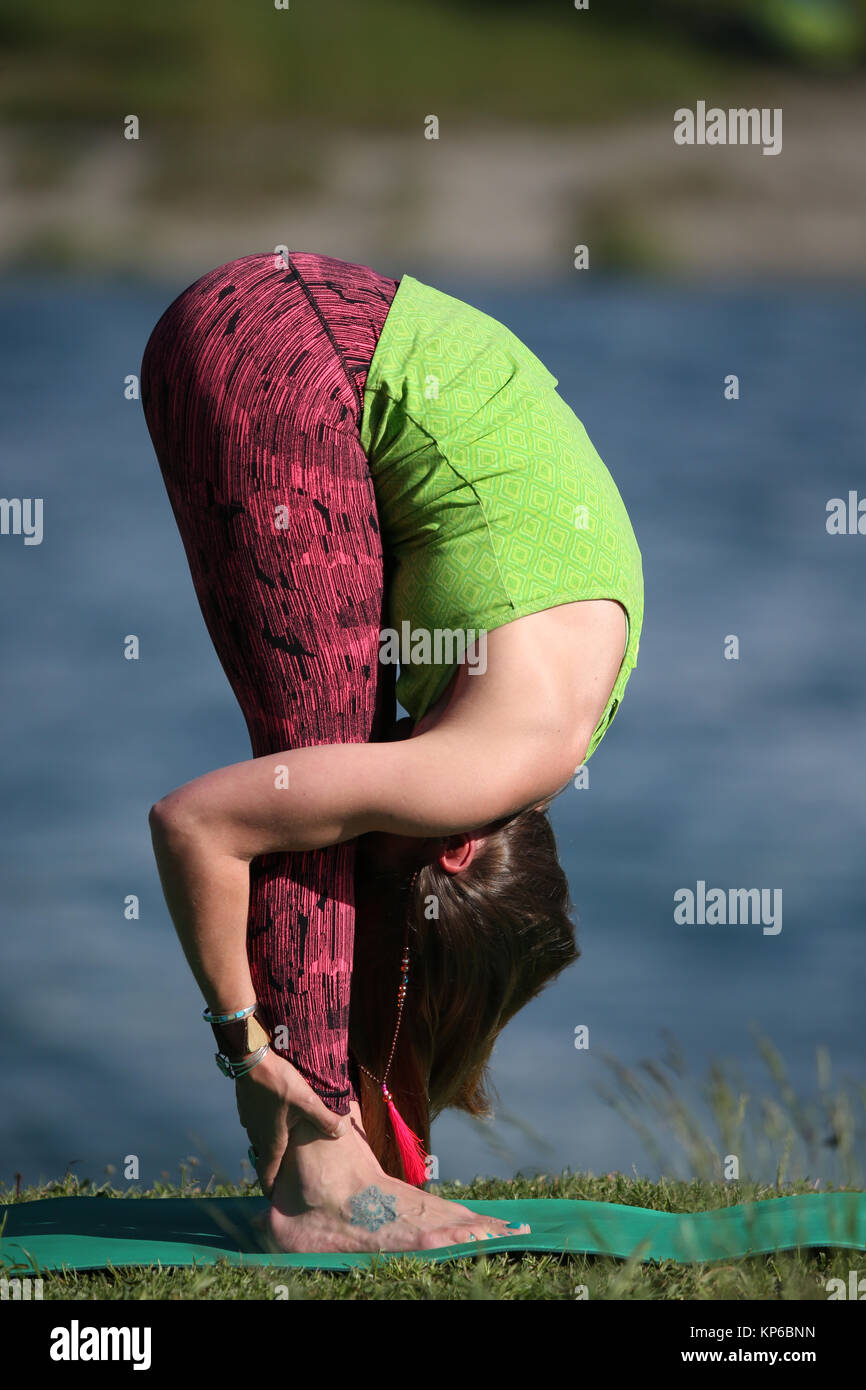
{"x": 549, "y": 677}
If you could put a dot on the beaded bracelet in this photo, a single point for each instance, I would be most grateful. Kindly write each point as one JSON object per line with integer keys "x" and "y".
{"x": 229, "y": 1018}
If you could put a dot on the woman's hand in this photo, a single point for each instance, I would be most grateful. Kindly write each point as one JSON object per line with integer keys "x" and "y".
{"x": 271, "y": 1099}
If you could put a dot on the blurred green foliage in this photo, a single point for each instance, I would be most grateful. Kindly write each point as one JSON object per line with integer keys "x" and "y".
{"x": 807, "y": 33}
{"x": 382, "y": 62}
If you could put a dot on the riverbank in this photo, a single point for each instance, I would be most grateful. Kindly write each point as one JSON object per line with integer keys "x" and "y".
{"x": 506, "y": 199}
{"x": 487, "y": 138}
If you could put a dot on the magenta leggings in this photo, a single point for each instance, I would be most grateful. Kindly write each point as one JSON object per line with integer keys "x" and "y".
{"x": 252, "y": 385}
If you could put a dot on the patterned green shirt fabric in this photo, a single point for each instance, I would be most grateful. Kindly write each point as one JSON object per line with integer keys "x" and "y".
{"x": 492, "y": 500}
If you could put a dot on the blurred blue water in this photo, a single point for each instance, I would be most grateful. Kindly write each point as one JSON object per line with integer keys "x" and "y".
{"x": 743, "y": 773}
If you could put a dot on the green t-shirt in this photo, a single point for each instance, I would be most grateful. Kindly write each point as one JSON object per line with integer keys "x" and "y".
{"x": 492, "y": 500}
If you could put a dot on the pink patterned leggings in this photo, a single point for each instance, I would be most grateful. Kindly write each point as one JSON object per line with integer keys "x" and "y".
{"x": 252, "y": 386}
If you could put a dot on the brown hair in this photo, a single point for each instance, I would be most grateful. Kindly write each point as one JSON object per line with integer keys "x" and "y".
{"x": 482, "y": 943}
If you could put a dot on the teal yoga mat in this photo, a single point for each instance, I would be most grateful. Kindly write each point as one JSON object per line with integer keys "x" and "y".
{"x": 92, "y": 1232}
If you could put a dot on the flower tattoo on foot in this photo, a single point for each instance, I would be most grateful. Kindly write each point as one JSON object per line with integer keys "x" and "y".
{"x": 371, "y": 1209}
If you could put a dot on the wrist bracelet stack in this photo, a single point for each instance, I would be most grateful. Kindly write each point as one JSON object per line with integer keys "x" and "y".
{"x": 241, "y": 1039}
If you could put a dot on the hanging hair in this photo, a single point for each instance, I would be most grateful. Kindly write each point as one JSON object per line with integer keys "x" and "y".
{"x": 482, "y": 943}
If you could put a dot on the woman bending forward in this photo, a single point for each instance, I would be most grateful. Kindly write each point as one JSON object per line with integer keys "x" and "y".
{"x": 363, "y": 471}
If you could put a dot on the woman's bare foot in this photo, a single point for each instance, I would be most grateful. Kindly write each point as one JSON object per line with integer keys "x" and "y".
{"x": 332, "y": 1196}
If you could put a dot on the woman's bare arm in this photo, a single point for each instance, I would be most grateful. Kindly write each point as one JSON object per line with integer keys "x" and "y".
{"x": 513, "y": 738}
{"x": 449, "y": 780}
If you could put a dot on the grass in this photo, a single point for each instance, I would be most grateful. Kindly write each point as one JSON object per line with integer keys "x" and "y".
{"x": 770, "y": 1129}
{"x": 797, "y": 1275}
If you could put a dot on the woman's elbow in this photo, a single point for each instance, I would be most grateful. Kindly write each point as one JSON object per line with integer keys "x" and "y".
{"x": 175, "y": 819}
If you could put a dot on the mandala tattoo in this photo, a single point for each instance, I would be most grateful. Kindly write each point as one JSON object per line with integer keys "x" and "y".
{"x": 371, "y": 1209}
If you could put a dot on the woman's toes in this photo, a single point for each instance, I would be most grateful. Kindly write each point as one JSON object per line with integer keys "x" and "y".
{"x": 442, "y": 1236}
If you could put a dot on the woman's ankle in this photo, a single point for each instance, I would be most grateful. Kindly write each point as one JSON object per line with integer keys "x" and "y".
{"x": 318, "y": 1171}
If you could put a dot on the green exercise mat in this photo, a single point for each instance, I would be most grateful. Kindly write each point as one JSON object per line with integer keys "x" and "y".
{"x": 92, "y": 1232}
